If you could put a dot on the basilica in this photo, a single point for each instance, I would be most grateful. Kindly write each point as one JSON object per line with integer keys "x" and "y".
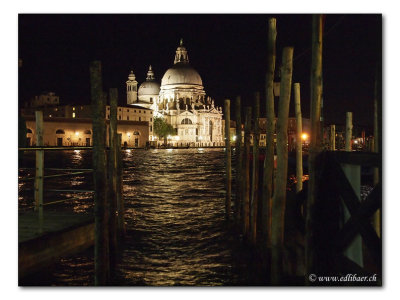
{"x": 181, "y": 100}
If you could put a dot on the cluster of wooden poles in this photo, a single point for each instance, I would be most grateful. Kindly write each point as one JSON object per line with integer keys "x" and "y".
{"x": 273, "y": 190}
{"x": 107, "y": 171}
{"x": 274, "y": 186}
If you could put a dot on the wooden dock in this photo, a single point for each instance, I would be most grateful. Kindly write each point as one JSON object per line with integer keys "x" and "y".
{"x": 64, "y": 233}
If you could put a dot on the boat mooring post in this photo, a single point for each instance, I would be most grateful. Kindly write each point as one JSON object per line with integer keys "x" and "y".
{"x": 270, "y": 130}
{"x": 246, "y": 178}
{"x": 39, "y": 168}
{"x": 315, "y": 141}
{"x": 120, "y": 195}
{"x": 353, "y": 174}
{"x": 112, "y": 174}
{"x": 256, "y": 167}
{"x": 279, "y": 200}
{"x": 332, "y": 137}
{"x": 239, "y": 161}
{"x": 299, "y": 132}
{"x": 101, "y": 247}
{"x": 228, "y": 156}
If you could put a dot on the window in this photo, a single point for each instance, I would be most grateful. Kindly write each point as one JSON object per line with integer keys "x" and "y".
{"x": 73, "y": 108}
{"x": 87, "y": 132}
{"x": 73, "y": 115}
{"x": 140, "y": 111}
{"x": 136, "y": 133}
{"x": 127, "y": 118}
{"x": 60, "y": 131}
{"x": 140, "y": 118}
{"x": 151, "y": 128}
{"x": 135, "y": 110}
{"x": 127, "y": 110}
{"x": 151, "y": 119}
{"x": 28, "y": 130}
{"x": 119, "y": 117}
{"x": 186, "y": 121}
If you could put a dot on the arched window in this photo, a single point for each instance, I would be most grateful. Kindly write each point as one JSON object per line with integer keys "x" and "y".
{"x": 28, "y": 130}
{"x": 87, "y": 132}
{"x": 136, "y": 133}
{"x": 186, "y": 121}
{"x": 60, "y": 131}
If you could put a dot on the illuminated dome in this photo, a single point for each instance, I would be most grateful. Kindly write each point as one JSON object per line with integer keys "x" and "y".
{"x": 150, "y": 86}
{"x": 181, "y": 73}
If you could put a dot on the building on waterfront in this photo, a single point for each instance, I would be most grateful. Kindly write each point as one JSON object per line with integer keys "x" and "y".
{"x": 181, "y": 100}
{"x": 78, "y": 132}
{"x": 71, "y": 125}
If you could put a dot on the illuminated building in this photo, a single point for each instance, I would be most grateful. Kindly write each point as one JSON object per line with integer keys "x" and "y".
{"x": 181, "y": 101}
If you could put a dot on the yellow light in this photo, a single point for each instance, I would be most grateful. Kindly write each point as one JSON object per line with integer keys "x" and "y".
{"x": 129, "y": 135}
{"x": 76, "y": 133}
{"x": 304, "y": 136}
{"x": 234, "y": 137}
{"x": 177, "y": 137}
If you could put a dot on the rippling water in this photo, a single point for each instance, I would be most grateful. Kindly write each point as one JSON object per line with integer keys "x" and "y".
{"x": 176, "y": 234}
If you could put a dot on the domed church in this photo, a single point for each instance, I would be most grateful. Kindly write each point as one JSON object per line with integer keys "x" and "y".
{"x": 182, "y": 101}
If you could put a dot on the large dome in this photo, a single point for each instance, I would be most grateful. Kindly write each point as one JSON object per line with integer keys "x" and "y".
{"x": 149, "y": 88}
{"x": 181, "y": 73}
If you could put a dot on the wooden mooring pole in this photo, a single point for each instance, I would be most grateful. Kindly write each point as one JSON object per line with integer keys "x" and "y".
{"x": 315, "y": 141}
{"x": 270, "y": 130}
{"x": 353, "y": 174}
{"x": 112, "y": 174}
{"x": 101, "y": 247}
{"x": 299, "y": 133}
{"x": 279, "y": 200}
{"x": 256, "y": 166}
{"x": 375, "y": 148}
{"x": 239, "y": 162}
{"x": 246, "y": 175}
{"x": 39, "y": 168}
{"x": 228, "y": 161}
{"x": 120, "y": 196}
{"x": 332, "y": 138}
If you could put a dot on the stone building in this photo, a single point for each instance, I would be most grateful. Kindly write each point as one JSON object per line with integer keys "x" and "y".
{"x": 181, "y": 101}
{"x": 78, "y": 132}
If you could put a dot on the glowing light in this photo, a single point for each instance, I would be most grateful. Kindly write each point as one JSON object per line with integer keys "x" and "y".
{"x": 355, "y": 142}
{"x": 76, "y": 133}
{"x": 304, "y": 136}
{"x": 129, "y": 134}
{"x": 234, "y": 137}
{"x": 177, "y": 137}
{"x": 200, "y": 137}
{"x": 128, "y": 150}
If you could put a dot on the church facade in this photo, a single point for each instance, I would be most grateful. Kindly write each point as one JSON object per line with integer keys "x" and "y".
{"x": 181, "y": 100}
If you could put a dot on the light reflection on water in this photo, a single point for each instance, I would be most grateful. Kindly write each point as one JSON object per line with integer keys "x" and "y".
{"x": 176, "y": 233}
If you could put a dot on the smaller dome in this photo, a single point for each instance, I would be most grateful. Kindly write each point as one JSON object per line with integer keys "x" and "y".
{"x": 149, "y": 88}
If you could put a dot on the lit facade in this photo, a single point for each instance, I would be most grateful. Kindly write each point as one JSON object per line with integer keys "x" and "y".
{"x": 182, "y": 102}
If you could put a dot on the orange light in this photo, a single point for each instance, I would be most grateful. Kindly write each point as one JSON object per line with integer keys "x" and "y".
{"x": 304, "y": 136}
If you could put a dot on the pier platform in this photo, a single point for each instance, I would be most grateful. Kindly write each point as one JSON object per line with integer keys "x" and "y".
{"x": 64, "y": 233}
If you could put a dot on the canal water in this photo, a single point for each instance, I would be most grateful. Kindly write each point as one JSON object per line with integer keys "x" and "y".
{"x": 176, "y": 233}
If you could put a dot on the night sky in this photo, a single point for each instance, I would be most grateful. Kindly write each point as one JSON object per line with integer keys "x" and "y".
{"x": 228, "y": 51}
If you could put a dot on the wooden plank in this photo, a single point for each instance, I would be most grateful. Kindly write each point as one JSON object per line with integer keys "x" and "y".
{"x": 367, "y": 159}
{"x": 37, "y": 253}
{"x": 361, "y": 219}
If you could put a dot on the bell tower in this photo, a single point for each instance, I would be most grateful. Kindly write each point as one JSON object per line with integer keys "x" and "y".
{"x": 131, "y": 89}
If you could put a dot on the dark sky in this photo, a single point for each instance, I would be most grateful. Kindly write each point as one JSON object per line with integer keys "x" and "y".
{"x": 228, "y": 51}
